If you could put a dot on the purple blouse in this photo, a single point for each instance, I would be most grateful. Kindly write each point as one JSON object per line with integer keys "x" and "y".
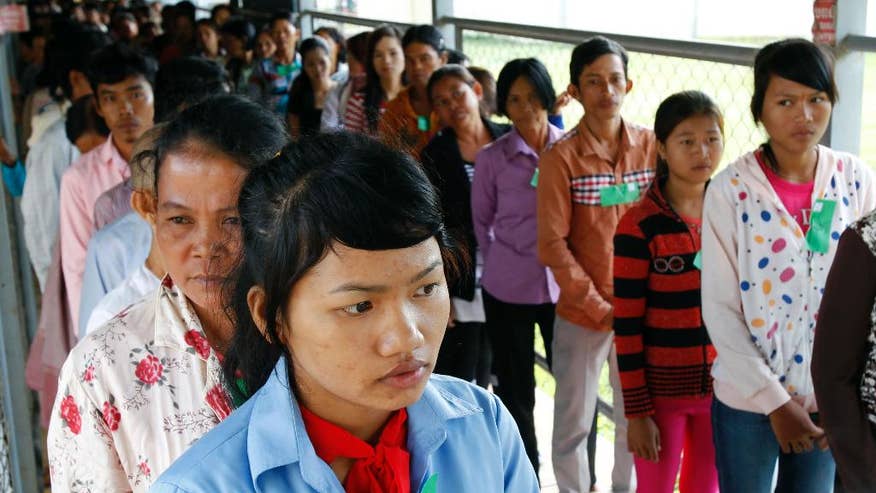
{"x": 503, "y": 207}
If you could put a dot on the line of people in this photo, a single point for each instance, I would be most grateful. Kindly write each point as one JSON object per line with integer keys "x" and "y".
{"x": 196, "y": 266}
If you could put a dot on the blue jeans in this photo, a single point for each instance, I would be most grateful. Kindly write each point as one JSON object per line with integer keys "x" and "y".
{"x": 746, "y": 451}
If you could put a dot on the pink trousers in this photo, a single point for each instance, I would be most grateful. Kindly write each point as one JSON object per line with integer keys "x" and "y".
{"x": 685, "y": 438}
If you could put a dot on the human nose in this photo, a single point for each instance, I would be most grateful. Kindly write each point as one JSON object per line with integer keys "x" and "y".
{"x": 402, "y": 334}
{"x": 209, "y": 242}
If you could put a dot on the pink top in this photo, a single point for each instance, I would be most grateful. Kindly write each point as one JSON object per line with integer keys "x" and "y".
{"x": 797, "y": 197}
{"x": 84, "y": 181}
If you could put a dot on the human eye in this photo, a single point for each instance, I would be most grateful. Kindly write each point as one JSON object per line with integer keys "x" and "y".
{"x": 785, "y": 102}
{"x": 179, "y": 220}
{"x": 427, "y": 290}
{"x": 232, "y": 221}
{"x": 358, "y": 308}
{"x": 819, "y": 98}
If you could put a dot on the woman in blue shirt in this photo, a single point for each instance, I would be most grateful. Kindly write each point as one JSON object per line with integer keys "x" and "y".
{"x": 342, "y": 302}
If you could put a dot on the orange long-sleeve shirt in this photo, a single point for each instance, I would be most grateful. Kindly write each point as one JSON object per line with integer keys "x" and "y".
{"x": 575, "y": 233}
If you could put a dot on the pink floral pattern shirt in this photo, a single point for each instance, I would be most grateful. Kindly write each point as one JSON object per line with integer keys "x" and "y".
{"x": 133, "y": 396}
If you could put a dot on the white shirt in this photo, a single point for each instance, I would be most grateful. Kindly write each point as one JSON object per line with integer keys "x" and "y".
{"x": 46, "y": 162}
{"x": 137, "y": 285}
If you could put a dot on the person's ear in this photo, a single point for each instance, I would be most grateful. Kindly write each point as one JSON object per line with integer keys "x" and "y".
{"x": 255, "y": 299}
{"x": 629, "y": 85}
{"x": 478, "y": 90}
{"x": 145, "y": 204}
{"x": 573, "y": 91}
{"x": 661, "y": 150}
{"x": 443, "y": 57}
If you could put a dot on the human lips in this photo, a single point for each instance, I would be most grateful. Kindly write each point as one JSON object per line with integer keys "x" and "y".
{"x": 208, "y": 281}
{"x": 406, "y": 375}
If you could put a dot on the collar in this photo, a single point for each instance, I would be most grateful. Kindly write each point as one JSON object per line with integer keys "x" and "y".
{"x": 176, "y": 324}
{"x": 590, "y": 145}
{"x": 515, "y": 145}
{"x": 270, "y": 446}
{"x": 108, "y": 153}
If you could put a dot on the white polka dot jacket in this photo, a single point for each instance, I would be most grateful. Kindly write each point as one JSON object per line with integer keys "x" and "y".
{"x": 763, "y": 276}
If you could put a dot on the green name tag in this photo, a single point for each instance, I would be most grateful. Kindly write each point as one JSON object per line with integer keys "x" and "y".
{"x": 284, "y": 70}
{"x": 423, "y": 123}
{"x": 818, "y": 236}
{"x": 431, "y": 485}
{"x": 534, "y": 180}
{"x": 698, "y": 260}
{"x": 619, "y": 194}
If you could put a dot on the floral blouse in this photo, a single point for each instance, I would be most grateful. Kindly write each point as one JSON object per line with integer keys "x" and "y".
{"x": 133, "y": 396}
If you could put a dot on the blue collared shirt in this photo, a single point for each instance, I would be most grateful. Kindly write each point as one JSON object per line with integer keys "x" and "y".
{"x": 114, "y": 252}
{"x": 457, "y": 432}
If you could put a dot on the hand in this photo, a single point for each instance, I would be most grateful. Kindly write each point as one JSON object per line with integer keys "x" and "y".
{"x": 562, "y": 100}
{"x": 643, "y": 438}
{"x": 608, "y": 320}
{"x": 794, "y": 430}
{"x": 6, "y": 157}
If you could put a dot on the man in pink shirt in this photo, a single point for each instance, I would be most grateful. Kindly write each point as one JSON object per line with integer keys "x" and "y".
{"x": 122, "y": 81}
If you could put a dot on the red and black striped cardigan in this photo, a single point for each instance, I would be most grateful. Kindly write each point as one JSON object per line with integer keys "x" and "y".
{"x": 663, "y": 349}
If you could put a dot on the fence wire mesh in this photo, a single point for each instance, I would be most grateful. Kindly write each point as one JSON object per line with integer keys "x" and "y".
{"x": 654, "y": 78}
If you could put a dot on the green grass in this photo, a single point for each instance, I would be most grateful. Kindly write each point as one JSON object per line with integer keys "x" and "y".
{"x": 546, "y": 383}
{"x": 655, "y": 77}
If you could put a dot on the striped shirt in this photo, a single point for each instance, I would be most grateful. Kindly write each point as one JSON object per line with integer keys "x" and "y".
{"x": 355, "y": 119}
{"x": 662, "y": 345}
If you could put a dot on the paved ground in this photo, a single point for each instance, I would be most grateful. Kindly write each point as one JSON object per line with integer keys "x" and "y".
{"x": 544, "y": 412}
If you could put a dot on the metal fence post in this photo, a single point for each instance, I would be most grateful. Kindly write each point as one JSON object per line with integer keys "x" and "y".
{"x": 844, "y": 133}
{"x": 16, "y": 397}
{"x": 441, "y": 9}
{"x": 306, "y": 20}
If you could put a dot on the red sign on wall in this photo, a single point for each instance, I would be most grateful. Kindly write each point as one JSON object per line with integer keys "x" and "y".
{"x": 824, "y": 27}
{"x": 13, "y": 18}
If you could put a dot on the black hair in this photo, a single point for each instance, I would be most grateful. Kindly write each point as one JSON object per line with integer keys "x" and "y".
{"x": 302, "y": 88}
{"x": 587, "y": 52}
{"x": 117, "y": 62}
{"x": 186, "y": 81}
{"x": 232, "y": 125}
{"x": 82, "y": 118}
{"x": 488, "y": 88}
{"x": 457, "y": 71}
{"x": 185, "y": 9}
{"x": 373, "y": 89}
{"x": 677, "y": 108}
{"x": 222, "y": 6}
{"x": 336, "y": 188}
{"x": 457, "y": 57}
{"x": 71, "y": 49}
{"x": 339, "y": 40}
{"x": 357, "y": 47}
{"x": 426, "y": 34}
{"x": 241, "y": 29}
{"x": 120, "y": 15}
{"x": 537, "y": 75}
{"x": 281, "y": 15}
{"x": 209, "y": 23}
{"x": 794, "y": 59}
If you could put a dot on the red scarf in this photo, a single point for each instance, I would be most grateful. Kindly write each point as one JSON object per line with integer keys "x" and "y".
{"x": 384, "y": 468}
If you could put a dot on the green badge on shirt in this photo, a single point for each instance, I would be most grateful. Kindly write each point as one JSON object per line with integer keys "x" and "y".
{"x": 431, "y": 485}
{"x": 534, "y": 180}
{"x": 423, "y": 123}
{"x": 698, "y": 260}
{"x": 619, "y": 194}
{"x": 820, "y": 220}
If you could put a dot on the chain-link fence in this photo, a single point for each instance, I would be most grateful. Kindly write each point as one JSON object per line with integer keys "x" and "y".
{"x": 654, "y": 78}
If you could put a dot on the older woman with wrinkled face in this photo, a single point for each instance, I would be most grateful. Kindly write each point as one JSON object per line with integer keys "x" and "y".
{"x": 341, "y": 303}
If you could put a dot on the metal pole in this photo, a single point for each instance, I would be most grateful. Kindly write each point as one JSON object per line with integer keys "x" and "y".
{"x": 305, "y": 17}
{"x": 13, "y": 341}
{"x": 845, "y": 127}
{"x": 440, "y": 10}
